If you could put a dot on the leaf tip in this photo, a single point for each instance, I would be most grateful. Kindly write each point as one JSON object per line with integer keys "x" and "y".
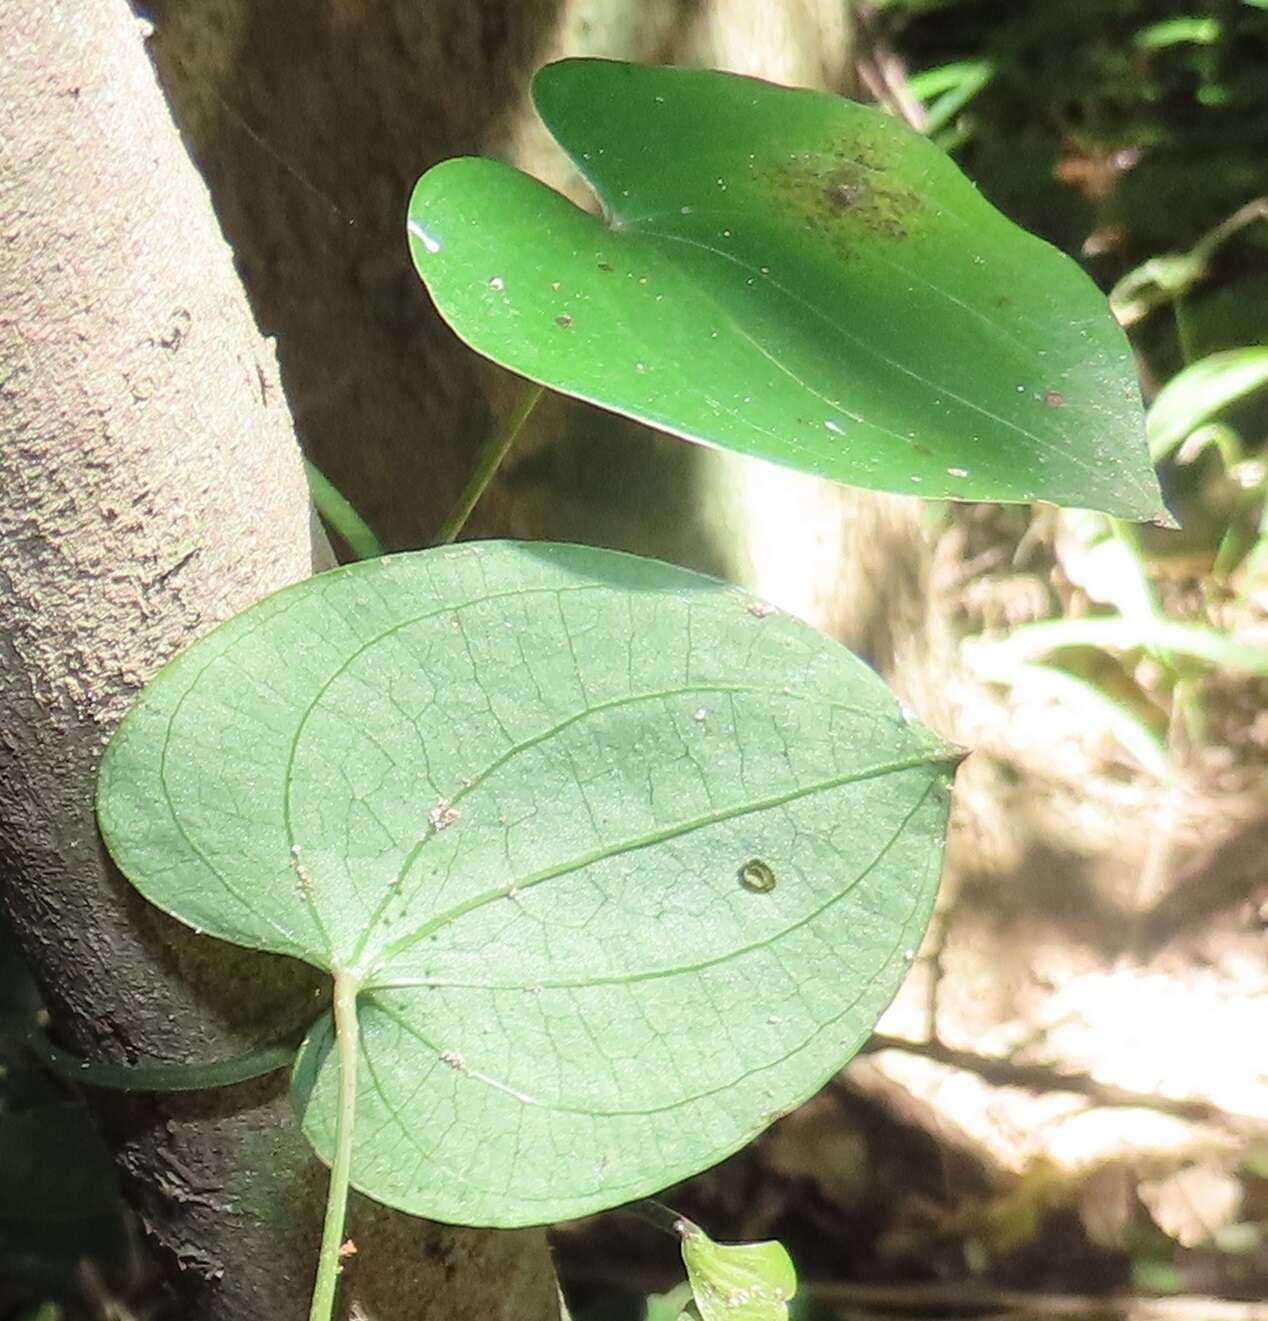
{"x": 954, "y": 755}
{"x": 553, "y": 77}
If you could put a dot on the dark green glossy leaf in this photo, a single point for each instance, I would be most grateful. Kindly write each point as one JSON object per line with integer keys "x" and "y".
{"x": 515, "y": 790}
{"x": 791, "y": 276}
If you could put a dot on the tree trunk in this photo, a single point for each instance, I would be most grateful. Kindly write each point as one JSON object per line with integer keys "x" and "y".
{"x": 150, "y": 486}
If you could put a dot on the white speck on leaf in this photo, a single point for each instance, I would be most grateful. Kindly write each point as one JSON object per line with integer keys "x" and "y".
{"x": 444, "y": 814}
{"x": 305, "y": 878}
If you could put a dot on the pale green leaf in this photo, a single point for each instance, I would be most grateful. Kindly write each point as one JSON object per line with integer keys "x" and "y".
{"x": 513, "y": 789}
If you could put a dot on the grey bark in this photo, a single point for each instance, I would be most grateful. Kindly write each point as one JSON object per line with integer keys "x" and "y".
{"x": 150, "y": 486}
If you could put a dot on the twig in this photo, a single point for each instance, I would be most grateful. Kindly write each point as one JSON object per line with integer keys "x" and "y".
{"x": 1000, "y": 1072}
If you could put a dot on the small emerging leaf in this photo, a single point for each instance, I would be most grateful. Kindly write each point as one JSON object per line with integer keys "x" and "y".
{"x": 738, "y": 1281}
{"x": 791, "y": 276}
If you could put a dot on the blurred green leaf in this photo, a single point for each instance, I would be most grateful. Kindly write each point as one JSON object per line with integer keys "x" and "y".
{"x": 1201, "y": 391}
{"x": 794, "y": 277}
{"x": 629, "y": 1308}
{"x": 1201, "y": 31}
{"x": 1117, "y": 719}
{"x": 1112, "y": 633}
{"x": 672, "y": 1306}
{"x": 947, "y": 89}
{"x": 44, "y": 1312}
{"x": 1155, "y": 282}
{"x": 1154, "y": 1275}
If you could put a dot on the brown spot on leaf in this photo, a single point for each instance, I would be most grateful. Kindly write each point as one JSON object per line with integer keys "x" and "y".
{"x": 1054, "y": 399}
{"x": 563, "y": 321}
{"x": 842, "y": 197}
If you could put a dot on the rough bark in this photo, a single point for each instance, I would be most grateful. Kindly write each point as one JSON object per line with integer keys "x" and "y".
{"x": 150, "y": 486}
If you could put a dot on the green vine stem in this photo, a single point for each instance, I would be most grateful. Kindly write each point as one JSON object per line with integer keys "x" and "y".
{"x": 347, "y": 1045}
{"x": 335, "y": 507}
{"x": 491, "y": 457}
{"x": 660, "y": 1216}
{"x": 161, "y": 1076}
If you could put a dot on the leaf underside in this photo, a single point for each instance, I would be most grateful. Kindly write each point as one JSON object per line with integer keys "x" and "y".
{"x": 517, "y": 789}
{"x": 794, "y": 277}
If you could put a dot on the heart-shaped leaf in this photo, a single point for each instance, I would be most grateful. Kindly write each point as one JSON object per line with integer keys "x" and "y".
{"x": 791, "y": 276}
{"x": 624, "y": 863}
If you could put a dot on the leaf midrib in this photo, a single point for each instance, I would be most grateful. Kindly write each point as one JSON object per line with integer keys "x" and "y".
{"x": 859, "y": 343}
{"x": 535, "y": 740}
{"x": 679, "y": 970}
{"x": 932, "y": 757}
